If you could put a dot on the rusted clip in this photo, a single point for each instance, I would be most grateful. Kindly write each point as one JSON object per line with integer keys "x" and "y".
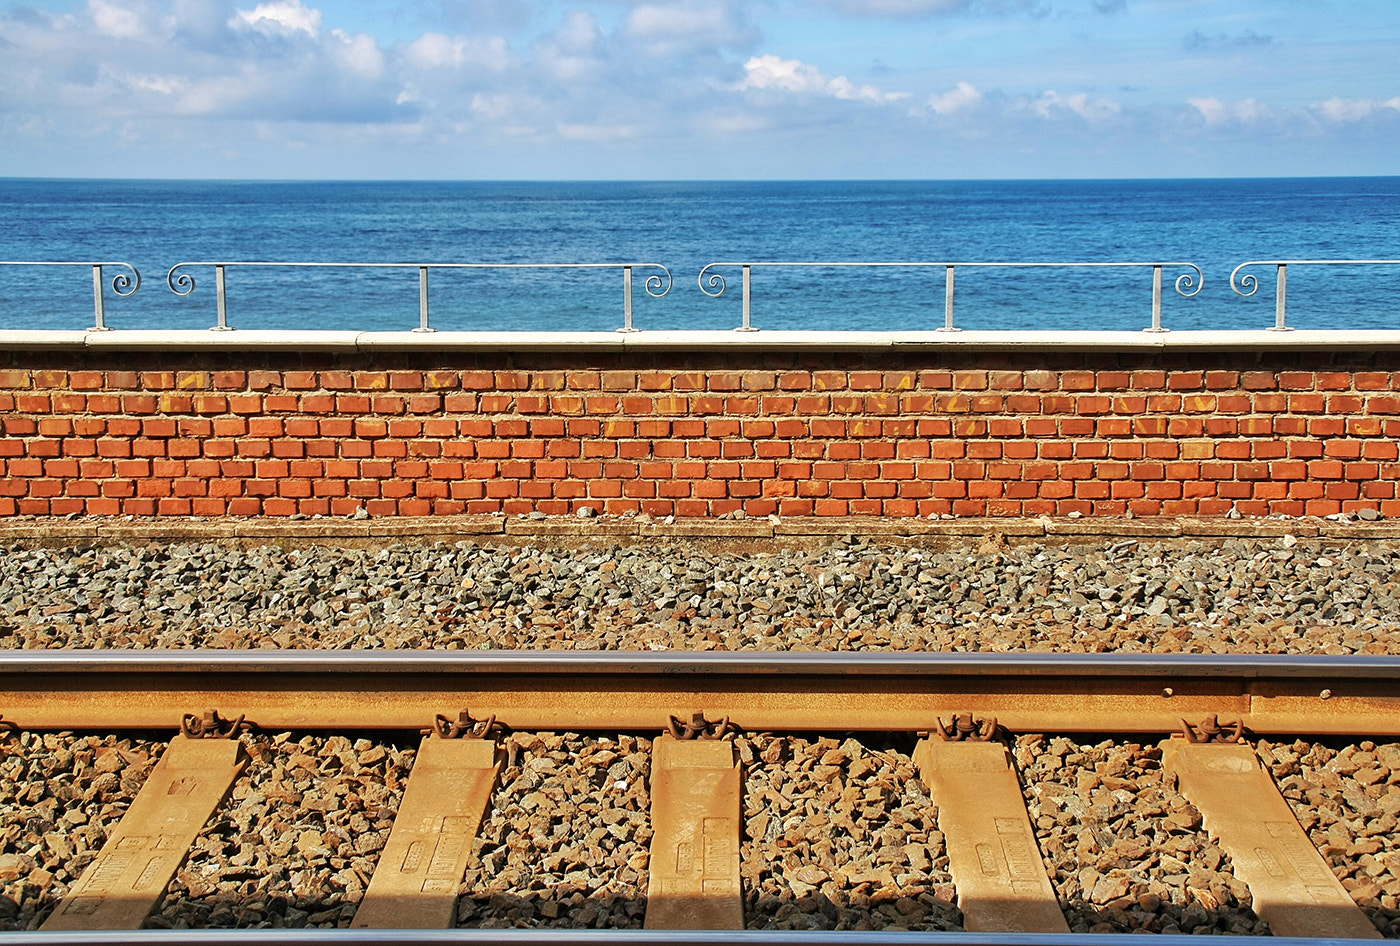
{"x": 699, "y": 727}
{"x": 213, "y": 726}
{"x": 964, "y": 728}
{"x": 1210, "y": 729}
{"x": 465, "y": 727}
{"x": 8, "y": 730}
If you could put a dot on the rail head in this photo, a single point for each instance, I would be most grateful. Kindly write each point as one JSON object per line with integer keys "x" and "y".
{"x": 624, "y": 691}
{"x": 589, "y": 937}
{"x": 702, "y": 663}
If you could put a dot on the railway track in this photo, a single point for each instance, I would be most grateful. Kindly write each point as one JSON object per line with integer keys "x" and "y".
{"x": 977, "y": 795}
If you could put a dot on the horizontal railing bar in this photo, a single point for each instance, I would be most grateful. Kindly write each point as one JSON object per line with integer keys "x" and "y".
{"x": 27, "y": 262}
{"x": 924, "y": 263}
{"x": 1186, "y": 284}
{"x": 271, "y": 264}
{"x": 1317, "y": 262}
{"x": 183, "y": 284}
{"x": 122, "y": 284}
{"x": 1250, "y": 282}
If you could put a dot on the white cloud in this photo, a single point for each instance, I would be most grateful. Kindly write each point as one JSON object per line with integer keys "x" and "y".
{"x": 160, "y": 85}
{"x": 961, "y": 97}
{"x": 279, "y": 18}
{"x": 576, "y": 51}
{"x": 571, "y": 131}
{"x": 1244, "y": 112}
{"x": 900, "y": 7}
{"x": 686, "y": 27}
{"x": 436, "y": 51}
{"x": 793, "y": 75}
{"x": 1212, "y": 109}
{"x": 678, "y": 79}
{"x": 913, "y": 8}
{"x": 1051, "y": 103}
{"x": 1354, "y": 110}
{"x": 111, "y": 19}
{"x": 358, "y": 54}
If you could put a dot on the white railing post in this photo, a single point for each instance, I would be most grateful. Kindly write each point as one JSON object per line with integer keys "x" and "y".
{"x": 748, "y": 297}
{"x": 221, "y": 295}
{"x": 99, "y": 312}
{"x": 423, "y": 325}
{"x": 948, "y": 302}
{"x": 627, "y": 300}
{"x": 1156, "y": 300}
{"x": 1280, "y": 301}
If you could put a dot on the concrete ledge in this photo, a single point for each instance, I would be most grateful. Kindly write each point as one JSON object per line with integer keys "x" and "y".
{"x": 440, "y": 525}
{"x": 161, "y": 530}
{"x": 1247, "y": 528}
{"x": 708, "y": 529}
{"x": 55, "y": 529}
{"x": 909, "y": 527}
{"x": 573, "y": 527}
{"x": 1360, "y": 530}
{"x": 366, "y": 531}
{"x": 1167, "y": 528}
{"x": 301, "y": 529}
{"x": 685, "y": 340}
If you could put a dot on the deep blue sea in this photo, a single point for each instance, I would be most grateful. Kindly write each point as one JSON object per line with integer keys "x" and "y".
{"x": 1214, "y": 223}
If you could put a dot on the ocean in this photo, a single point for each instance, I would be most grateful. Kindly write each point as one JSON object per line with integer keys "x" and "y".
{"x": 1216, "y": 224}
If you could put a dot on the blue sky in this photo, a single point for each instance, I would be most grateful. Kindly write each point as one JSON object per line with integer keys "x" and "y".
{"x": 699, "y": 89}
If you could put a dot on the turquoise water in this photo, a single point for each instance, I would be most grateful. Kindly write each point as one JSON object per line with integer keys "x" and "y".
{"x": 1216, "y": 224}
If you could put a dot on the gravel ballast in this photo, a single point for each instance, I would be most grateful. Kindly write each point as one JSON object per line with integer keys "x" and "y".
{"x": 840, "y": 836}
{"x": 1125, "y": 851}
{"x": 298, "y": 839}
{"x": 840, "y": 833}
{"x": 60, "y": 796}
{"x": 1347, "y": 798}
{"x": 1281, "y": 595}
{"x": 566, "y": 840}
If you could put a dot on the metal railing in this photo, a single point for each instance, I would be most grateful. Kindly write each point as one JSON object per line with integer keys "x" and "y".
{"x": 1251, "y": 282}
{"x": 1186, "y": 284}
{"x": 711, "y": 283}
{"x": 184, "y": 284}
{"x": 122, "y": 284}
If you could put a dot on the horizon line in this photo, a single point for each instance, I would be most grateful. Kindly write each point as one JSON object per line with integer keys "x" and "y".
{"x": 660, "y": 180}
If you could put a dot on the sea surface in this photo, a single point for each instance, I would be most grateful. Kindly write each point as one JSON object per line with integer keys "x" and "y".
{"x": 1216, "y": 224}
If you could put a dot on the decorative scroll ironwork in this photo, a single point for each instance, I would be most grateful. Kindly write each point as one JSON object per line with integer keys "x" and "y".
{"x": 1250, "y": 282}
{"x": 122, "y": 284}
{"x": 655, "y": 284}
{"x": 1187, "y": 284}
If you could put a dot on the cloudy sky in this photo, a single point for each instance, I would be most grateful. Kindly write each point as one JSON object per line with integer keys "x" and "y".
{"x": 699, "y": 89}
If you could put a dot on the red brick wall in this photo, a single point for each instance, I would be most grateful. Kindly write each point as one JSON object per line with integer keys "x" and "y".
{"x": 696, "y": 434}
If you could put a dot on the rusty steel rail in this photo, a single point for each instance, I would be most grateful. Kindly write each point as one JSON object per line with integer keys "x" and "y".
{"x": 398, "y": 690}
{"x": 571, "y": 937}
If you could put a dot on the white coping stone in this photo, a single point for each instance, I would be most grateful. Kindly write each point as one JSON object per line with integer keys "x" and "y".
{"x": 505, "y": 341}
{"x": 42, "y": 339}
{"x": 764, "y": 340}
{"x": 232, "y": 340}
{"x": 724, "y": 340}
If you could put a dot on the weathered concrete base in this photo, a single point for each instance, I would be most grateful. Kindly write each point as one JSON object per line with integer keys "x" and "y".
{"x": 571, "y": 530}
